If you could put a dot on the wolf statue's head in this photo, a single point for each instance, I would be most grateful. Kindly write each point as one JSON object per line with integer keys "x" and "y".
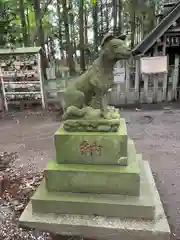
{"x": 114, "y": 48}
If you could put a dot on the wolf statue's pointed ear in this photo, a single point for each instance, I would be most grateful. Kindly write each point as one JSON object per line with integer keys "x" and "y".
{"x": 122, "y": 37}
{"x": 106, "y": 38}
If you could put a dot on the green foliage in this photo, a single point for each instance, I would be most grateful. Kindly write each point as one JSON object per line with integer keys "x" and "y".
{"x": 7, "y": 21}
{"x": 138, "y": 18}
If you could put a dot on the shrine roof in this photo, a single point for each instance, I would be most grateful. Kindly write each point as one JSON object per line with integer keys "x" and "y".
{"x": 172, "y": 16}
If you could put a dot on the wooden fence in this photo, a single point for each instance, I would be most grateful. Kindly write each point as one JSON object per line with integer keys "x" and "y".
{"x": 136, "y": 88}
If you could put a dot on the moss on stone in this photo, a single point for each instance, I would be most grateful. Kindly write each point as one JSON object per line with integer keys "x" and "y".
{"x": 92, "y": 147}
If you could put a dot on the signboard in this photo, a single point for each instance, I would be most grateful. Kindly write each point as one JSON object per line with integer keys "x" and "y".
{"x": 154, "y": 65}
{"x": 119, "y": 75}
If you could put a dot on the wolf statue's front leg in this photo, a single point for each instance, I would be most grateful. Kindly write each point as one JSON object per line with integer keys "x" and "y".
{"x": 104, "y": 103}
{"x": 99, "y": 101}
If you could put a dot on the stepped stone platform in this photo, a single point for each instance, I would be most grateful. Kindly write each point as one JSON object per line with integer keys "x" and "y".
{"x": 100, "y": 179}
{"x": 103, "y": 227}
{"x": 92, "y": 194}
{"x": 121, "y": 206}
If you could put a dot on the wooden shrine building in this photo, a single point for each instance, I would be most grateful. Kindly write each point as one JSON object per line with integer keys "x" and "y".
{"x": 165, "y": 37}
{"x": 163, "y": 40}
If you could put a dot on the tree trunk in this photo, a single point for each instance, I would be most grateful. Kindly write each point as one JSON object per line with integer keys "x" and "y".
{"x": 86, "y": 35}
{"x": 114, "y": 13}
{"x": 74, "y": 40}
{"x": 60, "y": 29}
{"x": 107, "y": 16}
{"x": 28, "y": 27}
{"x": 81, "y": 35}
{"x": 153, "y": 17}
{"x": 95, "y": 29}
{"x": 69, "y": 49}
{"x": 101, "y": 19}
{"x": 85, "y": 26}
{"x": 72, "y": 30}
{"x": 23, "y": 22}
{"x": 120, "y": 17}
{"x": 40, "y": 33}
{"x": 133, "y": 22}
{"x": 52, "y": 49}
{"x": 133, "y": 29}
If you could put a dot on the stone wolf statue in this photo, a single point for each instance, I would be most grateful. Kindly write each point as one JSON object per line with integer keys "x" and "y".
{"x": 90, "y": 88}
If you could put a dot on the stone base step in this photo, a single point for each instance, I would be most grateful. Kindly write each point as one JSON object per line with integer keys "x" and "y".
{"x": 141, "y": 207}
{"x": 102, "y": 227}
{"x": 97, "y": 179}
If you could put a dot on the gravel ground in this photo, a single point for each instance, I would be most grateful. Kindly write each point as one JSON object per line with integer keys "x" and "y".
{"x": 156, "y": 134}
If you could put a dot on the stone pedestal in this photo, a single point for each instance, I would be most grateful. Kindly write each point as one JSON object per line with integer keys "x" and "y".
{"x": 92, "y": 147}
{"x": 97, "y": 187}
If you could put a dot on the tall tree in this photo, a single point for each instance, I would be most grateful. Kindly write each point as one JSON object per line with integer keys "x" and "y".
{"x": 95, "y": 28}
{"x": 40, "y": 35}
{"x": 114, "y": 14}
{"x": 85, "y": 25}
{"x": 60, "y": 36}
{"x": 120, "y": 7}
{"x": 81, "y": 35}
{"x": 152, "y": 14}
{"x": 69, "y": 48}
{"x": 107, "y": 16}
{"x": 73, "y": 31}
{"x": 4, "y": 23}
{"x": 86, "y": 28}
{"x": 38, "y": 17}
{"x": 101, "y": 7}
{"x": 132, "y": 10}
{"x": 23, "y": 22}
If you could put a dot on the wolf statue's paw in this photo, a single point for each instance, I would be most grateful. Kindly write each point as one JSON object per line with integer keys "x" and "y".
{"x": 92, "y": 113}
{"x": 111, "y": 113}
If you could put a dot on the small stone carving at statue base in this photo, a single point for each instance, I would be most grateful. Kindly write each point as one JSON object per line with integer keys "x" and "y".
{"x": 93, "y": 122}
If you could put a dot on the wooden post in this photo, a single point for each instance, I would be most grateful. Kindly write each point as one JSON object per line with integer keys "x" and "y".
{"x": 127, "y": 82}
{"x": 165, "y": 82}
{"x": 137, "y": 80}
{"x": 146, "y": 80}
{"x": 175, "y": 78}
{"x": 118, "y": 84}
{"x": 3, "y": 91}
{"x": 155, "y": 78}
{"x": 41, "y": 81}
{"x": 155, "y": 50}
{"x": 164, "y": 46}
{"x": 155, "y": 87}
{"x": 165, "y": 85}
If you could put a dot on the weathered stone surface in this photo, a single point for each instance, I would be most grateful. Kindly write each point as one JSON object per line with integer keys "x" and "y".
{"x": 102, "y": 227}
{"x": 94, "y": 122}
{"x": 92, "y": 147}
{"x": 141, "y": 207}
{"x": 98, "y": 179}
{"x": 100, "y": 125}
